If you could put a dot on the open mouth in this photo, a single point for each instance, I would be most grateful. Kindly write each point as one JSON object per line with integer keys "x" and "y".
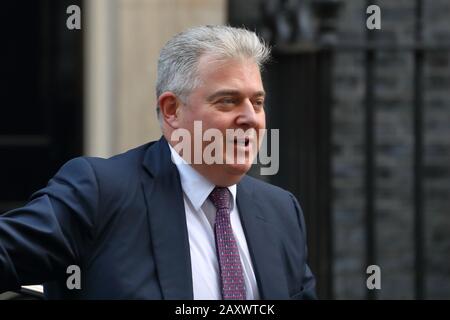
{"x": 242, "y": 142}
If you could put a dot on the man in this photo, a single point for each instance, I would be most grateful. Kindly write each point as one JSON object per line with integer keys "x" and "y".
{"x": 153, "y": 224}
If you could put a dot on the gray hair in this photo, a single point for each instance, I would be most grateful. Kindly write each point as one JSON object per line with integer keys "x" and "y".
{"x": 179, "y": 58}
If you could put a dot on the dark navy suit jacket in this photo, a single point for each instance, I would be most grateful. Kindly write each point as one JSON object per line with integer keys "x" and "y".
{"x": 122, "y": 221}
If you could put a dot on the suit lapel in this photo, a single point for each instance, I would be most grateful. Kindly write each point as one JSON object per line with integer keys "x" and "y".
{"x": 167, "y": 223}
{"x": 265, "y": 251}
{"x": 168, "y": 230}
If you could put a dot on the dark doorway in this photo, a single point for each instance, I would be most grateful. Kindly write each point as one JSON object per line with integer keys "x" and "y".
{"x": 41, "y": 96}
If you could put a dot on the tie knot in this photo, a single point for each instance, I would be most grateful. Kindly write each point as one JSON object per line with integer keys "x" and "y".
{"x": 220, "y": 197}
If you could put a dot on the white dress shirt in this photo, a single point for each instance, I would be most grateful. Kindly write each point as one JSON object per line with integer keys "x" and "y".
{"x": 200, "y": 217}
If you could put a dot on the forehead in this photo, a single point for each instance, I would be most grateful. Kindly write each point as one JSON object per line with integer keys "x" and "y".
{"x": 238, "y": 73}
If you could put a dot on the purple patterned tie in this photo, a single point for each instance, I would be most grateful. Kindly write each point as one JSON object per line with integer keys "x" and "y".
{"x": 231, "y": 274}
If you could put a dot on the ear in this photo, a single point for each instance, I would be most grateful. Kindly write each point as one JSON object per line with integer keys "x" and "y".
{"x": 169, "y": 107}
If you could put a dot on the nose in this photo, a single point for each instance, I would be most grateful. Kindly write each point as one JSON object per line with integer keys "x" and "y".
{"x": 247, "y": 115}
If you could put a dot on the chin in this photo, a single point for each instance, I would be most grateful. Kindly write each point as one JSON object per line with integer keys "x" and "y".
{"x": 238, "y": 169}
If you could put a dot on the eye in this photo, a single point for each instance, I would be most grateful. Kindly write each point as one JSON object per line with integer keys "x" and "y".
{"x": 258, "y": 103}
{"x": 228, "y": 101}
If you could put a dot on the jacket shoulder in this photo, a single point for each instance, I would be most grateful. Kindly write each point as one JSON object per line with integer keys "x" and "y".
{"x": 94, "y": 176}
{"x": 262, "y": 187}
{"x": 112, "y": 165}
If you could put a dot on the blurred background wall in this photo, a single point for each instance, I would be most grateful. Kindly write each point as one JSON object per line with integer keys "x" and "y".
{"x": 366, "y": 149}
{"x": 364, "y": 117}
{"x": 123, "y": 39}
{"x": 409, "y": 78}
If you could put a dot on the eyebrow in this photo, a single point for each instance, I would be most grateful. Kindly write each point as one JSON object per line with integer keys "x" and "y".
{"x": 222, "y": 93}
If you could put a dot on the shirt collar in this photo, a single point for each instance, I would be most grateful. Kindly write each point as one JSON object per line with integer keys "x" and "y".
{"x": 196, "y": 187}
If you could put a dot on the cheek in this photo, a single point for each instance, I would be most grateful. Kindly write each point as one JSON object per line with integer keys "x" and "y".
{"x": 190, "y": 116}
{"x": 262, "y": 120}
{"x": 219, "y": 121}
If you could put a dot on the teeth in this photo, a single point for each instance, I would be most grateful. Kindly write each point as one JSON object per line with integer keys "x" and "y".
{"x": 244, "y": 142}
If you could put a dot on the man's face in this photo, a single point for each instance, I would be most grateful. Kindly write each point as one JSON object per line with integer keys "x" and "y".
{"x": 230, "y": 96}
